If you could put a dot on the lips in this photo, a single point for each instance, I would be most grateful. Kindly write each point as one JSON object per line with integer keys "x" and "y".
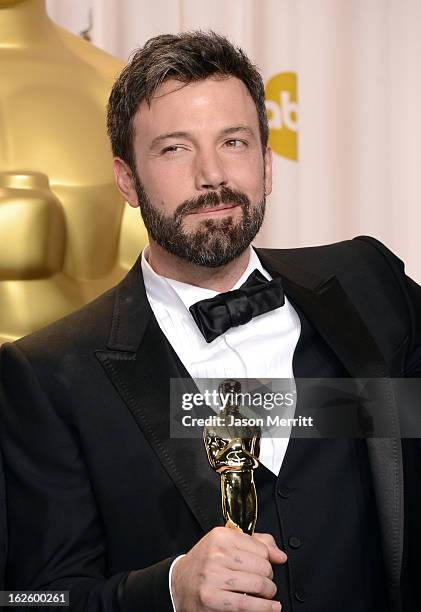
{"x": 214, "y": 209}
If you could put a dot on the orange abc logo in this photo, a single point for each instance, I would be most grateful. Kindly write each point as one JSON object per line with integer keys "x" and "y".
{"x": 282, "y": 110}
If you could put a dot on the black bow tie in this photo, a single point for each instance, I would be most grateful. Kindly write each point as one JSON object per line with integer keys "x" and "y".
{"x": 218, "y": 314}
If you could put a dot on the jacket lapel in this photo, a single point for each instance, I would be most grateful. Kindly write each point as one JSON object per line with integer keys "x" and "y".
{"x": 335, "y": 317}
{"x": 140, "y": 364}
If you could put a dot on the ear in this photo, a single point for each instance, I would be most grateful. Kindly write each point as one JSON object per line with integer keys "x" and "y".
{"x": 268, "y": 171}
{"x": 124, "y": 180}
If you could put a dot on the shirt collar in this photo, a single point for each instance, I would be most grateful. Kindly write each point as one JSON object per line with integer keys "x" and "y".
{"x": 162, "y": 289}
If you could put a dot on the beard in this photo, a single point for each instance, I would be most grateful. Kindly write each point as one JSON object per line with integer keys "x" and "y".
{"x": 215, "y": 242}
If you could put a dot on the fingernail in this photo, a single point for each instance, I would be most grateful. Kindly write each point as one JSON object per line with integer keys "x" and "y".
{"x": 276, "y": 606}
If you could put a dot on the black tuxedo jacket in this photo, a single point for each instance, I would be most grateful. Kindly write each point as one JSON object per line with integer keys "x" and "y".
{"x": 100, "y": 499}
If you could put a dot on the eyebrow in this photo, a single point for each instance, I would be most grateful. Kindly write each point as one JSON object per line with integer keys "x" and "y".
{"x": 242, "y": 129}
{"x": 236, "y": 129}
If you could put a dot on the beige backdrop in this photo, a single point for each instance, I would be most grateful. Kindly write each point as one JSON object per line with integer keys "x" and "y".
{"x": 344, "y": 90}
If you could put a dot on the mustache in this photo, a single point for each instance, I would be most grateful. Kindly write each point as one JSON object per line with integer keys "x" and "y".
{"x": 212, "y": 199}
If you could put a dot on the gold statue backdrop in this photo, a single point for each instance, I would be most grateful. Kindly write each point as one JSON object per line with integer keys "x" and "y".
{"x": 65, "y": 234}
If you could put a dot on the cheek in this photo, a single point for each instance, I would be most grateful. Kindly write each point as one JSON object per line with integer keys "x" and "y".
{"x": 247, "y": 167}
{"x": 250, "y": 180}
{"x": 167, "y": 186}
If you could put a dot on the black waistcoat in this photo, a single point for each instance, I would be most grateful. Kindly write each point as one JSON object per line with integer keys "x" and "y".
{"x": 321, "y": 510}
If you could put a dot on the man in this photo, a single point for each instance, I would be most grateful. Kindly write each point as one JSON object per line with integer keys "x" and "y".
{"x": 101, "y": 500}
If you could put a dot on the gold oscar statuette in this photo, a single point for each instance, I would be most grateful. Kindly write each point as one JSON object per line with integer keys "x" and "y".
{"x": 66, "y": 235}
{"x": 233, "y": 449}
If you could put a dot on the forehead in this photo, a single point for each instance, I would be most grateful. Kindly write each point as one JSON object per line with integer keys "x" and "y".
{"x": 208, "y": 105}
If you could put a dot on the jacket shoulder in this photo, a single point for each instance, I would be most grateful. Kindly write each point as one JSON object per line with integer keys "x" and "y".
{"x": 369, "y": 255}
{"x": 374, "y": 279}
{"x": 86, "y": 328}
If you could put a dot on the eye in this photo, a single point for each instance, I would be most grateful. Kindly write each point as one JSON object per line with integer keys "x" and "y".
{"x": 173, "y": 149}
{"x": 236, "y": 143}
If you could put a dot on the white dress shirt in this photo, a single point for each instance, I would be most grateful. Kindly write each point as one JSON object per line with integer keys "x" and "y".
{"x": 261, "y": 349}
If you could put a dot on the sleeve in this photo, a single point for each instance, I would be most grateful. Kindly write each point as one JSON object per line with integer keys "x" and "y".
{"x": 55, "y": 537}
{"x": 3, "y": 518}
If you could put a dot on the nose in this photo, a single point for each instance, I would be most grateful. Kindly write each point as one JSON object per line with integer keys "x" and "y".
{"x": 210, "y": 171}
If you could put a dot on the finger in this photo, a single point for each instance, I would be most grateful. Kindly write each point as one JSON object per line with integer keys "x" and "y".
{"x": 276, "y": 555}
{"x": 266, "y": 538}
{"x": 267, "y": 549}
{"x": 235, "y": 602}
{"x": 242, "y": 541}
{"x": 223, "y": 537}
{"x": 243, "y": 561}
{"x": 252, "y": 584}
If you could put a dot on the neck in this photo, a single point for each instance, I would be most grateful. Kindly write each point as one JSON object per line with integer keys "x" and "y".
{"x": 24, "y": 24}
{"x": 218, "y": 279}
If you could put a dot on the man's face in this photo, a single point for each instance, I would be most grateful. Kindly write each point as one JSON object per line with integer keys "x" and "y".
{"x": 201, "y": 176}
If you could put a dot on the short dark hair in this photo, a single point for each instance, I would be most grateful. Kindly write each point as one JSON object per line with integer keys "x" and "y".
{"x": 187, "y": 57}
